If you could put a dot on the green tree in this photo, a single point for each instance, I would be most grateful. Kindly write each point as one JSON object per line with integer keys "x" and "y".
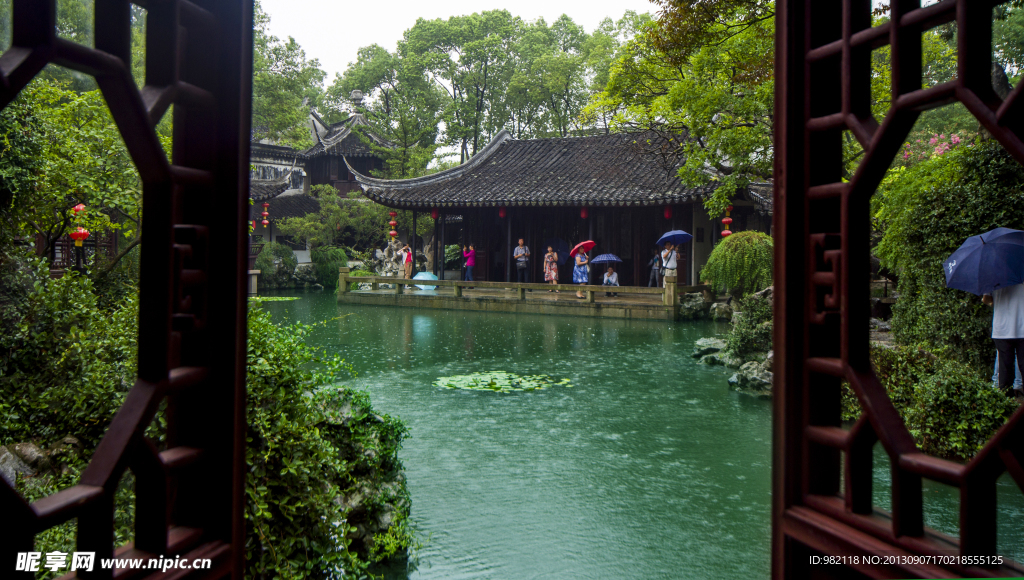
{"x": 926, "y": 212}
{"x": 285, "y": 84}
{"x": 740, "y": 264}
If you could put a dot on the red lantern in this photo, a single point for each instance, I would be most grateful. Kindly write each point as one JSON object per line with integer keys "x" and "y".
{"x": 433, "y": 213}
{"x": 392, "y": 223}
{"x": 393, "y": 213}
{"x": 78, "y": 208}
{"x": 501, "y": 212}
{"x": 726, "y": 233}
{"x": 727, "y": 221}
{"x": 393, "y": 233}
{"x": 253, "y": 224}
{"x": 266, "y": 223}
{"x": 728, "y": 208}
{"x": 79, "y": 236}
{"x": 668, "y": 212}
{"x": 584, "y": 213}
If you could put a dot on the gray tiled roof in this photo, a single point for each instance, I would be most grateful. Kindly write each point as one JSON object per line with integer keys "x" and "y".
{"x": 290, "y": 204}
{"x": 339, "y": 139}
{"x": 608, "y": 170}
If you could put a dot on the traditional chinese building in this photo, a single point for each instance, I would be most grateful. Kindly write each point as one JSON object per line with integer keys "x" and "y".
{"x": 281, "y": 176}
{"x": 605, "y": 188}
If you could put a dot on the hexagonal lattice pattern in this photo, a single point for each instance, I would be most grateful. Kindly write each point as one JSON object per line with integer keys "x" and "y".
{"x": 823, "y": 66}
{"x": 191, "y": 355}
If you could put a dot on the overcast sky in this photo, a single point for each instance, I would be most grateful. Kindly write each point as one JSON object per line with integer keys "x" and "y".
{"x": 333, "y": 31}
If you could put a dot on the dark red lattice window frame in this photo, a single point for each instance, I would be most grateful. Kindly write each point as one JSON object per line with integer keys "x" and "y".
{"x": 822, "y": 471}
{"x": 192, "y": 292}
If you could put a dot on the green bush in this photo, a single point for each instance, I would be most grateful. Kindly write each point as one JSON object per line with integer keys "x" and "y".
{"x": 312, "y": 443}
{"x": 322, "y": 465}
{"x": 948, "y": 407}
{"x": 276, "y": 264}
{"x": 740, "y": 264}
{"x": 926, "y": 213}
{"x": 326, "y": 261}
{"x": 752, "y": 332}
{"x": 453, "y": 256}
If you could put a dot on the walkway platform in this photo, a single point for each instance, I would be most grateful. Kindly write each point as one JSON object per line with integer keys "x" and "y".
{"x": 632, "y": 302}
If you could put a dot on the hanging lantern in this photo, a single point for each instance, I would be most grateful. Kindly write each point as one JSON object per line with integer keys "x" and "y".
{"x": 79, "y": 236}
{"x": 433, "y": 214}
{"x": 584, "y": 213}
{"x": 726, "y": 221}
{"x": 393, "y": 233}
{"x": 501, "y": 212}
{"x": 393, "y": 224}
{"x": 668, "y": 212}
{"x": 78, "y": 208}
{"x": 393, "y": 214}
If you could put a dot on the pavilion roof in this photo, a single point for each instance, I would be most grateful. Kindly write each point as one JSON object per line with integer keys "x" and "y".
{"x": 604, "y": 170}
{"x": 341, "y": 139}
{"x": 291, "y": 204}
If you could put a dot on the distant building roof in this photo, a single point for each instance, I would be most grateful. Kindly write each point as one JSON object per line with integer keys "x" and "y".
{"x": 339, "y": 138}
{"x": 603, "y": 170}
{"x": 290, "y": 204}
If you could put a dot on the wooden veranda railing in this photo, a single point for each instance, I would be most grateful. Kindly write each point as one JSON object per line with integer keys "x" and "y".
{"x": 669, "y": 293}
{"x": 189, "y": 488}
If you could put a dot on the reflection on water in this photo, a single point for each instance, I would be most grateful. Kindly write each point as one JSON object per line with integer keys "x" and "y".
{"x": 648, "y": 468}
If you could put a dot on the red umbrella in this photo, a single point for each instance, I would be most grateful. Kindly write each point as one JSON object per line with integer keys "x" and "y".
{"x": 582, "y": 246}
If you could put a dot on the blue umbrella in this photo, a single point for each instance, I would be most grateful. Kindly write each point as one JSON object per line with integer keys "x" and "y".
{"x": 674, "y": 237}
{"x": 561, "y": 247}
{"x": 605, "y": 258}
{"x": 994, "y": 259}
{"x": 424, "y": 276}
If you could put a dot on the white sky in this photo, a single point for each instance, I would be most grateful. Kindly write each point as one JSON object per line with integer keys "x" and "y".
{"x": 333, "y": 31}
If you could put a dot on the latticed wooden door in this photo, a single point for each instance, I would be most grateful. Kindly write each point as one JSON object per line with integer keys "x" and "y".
{"x": 822, "y": 471}
{"x": 192, "y": 292}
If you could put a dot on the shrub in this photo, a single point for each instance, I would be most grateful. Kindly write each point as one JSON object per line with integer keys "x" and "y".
{"x": 321, "y": 461}
{"x": 310, "y": 444}
{"x": 752, "y": 332}
{"x": 740, "y": 264}
{"x": 276, "y": 264}
{"x": 326, "y": 261}
{"x": 452, "y": 256}
{"x": 926, "y": 212}
{"x": 948, "y": 407}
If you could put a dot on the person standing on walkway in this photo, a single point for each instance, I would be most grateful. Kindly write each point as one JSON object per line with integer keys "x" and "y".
{"x": 581, "y": 272}
{"x": 668, "y": 261}
{"x": 469, "y": 253}
{"x": 1008, "y": 331}
{"x": 522, "y": 257}
{"x": 551, "y": 267}
{"x": 655, "y": 265}
{"x": 407, "y": 261}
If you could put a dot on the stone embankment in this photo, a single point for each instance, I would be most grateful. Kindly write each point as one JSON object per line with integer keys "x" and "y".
{"x": 755, "y": 370}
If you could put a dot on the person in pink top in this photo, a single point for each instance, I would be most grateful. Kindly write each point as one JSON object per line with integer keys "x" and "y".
{"x": 469, "y": 253}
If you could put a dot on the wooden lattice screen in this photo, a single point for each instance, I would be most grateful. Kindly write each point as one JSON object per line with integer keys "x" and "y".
{"x": 192, "y": 291}
{"x": 822, "y": 471}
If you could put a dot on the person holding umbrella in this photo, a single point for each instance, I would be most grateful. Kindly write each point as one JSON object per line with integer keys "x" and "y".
{"x": 668, "y": 260}
{"x": 671, "y": 240}
{"x": 1008, "y": 331}
{"x": 581, "y": 271}
{"x": 992, "y": 265}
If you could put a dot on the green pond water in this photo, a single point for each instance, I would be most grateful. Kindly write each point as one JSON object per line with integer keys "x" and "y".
{"x": 647, "y": 467}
